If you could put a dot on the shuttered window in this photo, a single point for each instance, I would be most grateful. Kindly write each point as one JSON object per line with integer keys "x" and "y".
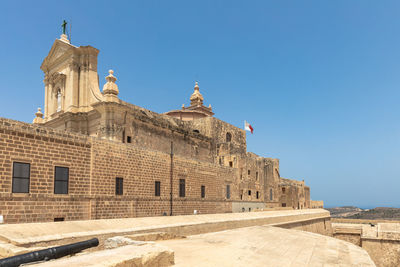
{"x": 119, "y": 186}
{"x": 182, "y": 192}
{"x": 61, "y": 177}
{"x": 21, "y": 177}
{"x": 157, "y": 189}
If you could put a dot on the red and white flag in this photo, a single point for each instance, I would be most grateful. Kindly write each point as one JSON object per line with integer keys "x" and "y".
{"x": 248, "y": 127}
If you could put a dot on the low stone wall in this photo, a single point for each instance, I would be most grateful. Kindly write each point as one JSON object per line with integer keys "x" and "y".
{"x": 381, "y": 240}
{"x": 47, "y": 234}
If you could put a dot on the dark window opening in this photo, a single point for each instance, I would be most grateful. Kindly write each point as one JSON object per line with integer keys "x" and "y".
{"x": 257, "y": 195}
{"x": 196, "y": 131}
{"x": 182, "y": 192}
{"x": 283, "y": 204}
{"x": 248, "y": 172}
{"x": 249, "y": 192}
{"x": 157, "y": 191}
{"x": 129, "y": 139}
{"x": 257, "y": 176}
{"x": 60, "y": 219}
{"x": 249, "y": 209}
{"x": 203, "y": 191}
{"x": 123, "y": 136}
{"x": 228, "y": 137}
{"x": 119, "y": 186}
{"x": 61, "y": 177}
{"x": 21, "y": 177}
{"x": 230, "y": 164}
{"x": 283, "y": 190}
{"x": 228, "y": 191}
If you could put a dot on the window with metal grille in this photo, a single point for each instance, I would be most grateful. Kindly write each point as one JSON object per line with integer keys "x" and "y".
{"x": 61, "y": 177}
{"x": 157, "y": 191}
{"x": 203, "y": 191}
{"x": 119, "y": 186}
{"x": 228, "y": 191}
{"x": 21, "y": 177}
{"x": 182, "y": 188}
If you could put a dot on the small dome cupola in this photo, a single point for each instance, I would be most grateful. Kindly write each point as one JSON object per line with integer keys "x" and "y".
{"x": 196, "y": 99}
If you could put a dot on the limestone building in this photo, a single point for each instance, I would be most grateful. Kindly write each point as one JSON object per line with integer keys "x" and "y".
{"x": 91, "y": 155}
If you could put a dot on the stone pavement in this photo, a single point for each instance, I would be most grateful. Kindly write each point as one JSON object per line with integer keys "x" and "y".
{"x": 36, "y": 233}
{"x": 266, "y": 246}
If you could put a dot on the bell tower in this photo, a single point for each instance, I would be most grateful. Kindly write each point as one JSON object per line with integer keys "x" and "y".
{"x": 71, "y": 80}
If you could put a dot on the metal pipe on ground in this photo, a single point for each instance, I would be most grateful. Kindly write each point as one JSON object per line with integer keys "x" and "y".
{"x": 49, "y": 253}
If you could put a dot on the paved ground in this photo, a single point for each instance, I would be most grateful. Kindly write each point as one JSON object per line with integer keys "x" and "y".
{"x": 266, "y": 246}
{"x": 24, "y": 234}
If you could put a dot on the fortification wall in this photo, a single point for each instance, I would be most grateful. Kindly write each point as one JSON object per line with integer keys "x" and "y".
{"x": 94, "y": 165}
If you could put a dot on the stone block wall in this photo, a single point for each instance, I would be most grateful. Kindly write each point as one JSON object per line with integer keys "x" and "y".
{"x": 94, "y": 165}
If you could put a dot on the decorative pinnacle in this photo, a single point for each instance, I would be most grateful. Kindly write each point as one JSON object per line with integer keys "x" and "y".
{"x": 111, "y": 87}
{"x": 111, "y": 77}
{"x": 196, "y": 98}
{"x": 39, "y": 113}
{"x": 39, "y": 116}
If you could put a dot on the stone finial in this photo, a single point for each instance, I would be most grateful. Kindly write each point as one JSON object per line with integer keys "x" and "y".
{"x": 196, "y": 99}
{"x": 110, "y": 89}
{"x": 39, "y": 116}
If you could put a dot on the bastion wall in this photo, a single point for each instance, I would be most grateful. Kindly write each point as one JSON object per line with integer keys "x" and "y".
{"x": 94, "y": 164}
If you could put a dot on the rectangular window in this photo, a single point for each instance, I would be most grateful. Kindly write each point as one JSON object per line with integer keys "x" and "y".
{"x": 249, "y": 192}
{"x": 256, "y": 176}
{"x": 21, "y": 177}
{"x": 157, "y": 189}
{"x": 230, "y": 164}
{"x": 257, "y": 195}
{"x": 283, "y": 190}
{"x": 182, "y": 192}
{"x": 283, "y": 204}
{"x": 129, "y": 139}
{"x": 203, "y": 191}
{"x": 228, "y": 191}
{"x": 248, "y": 172}
{"x": 61, "y": 177}
{"x": 119, "y": 186}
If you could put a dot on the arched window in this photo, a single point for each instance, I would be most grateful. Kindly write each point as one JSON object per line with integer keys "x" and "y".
{"x": 228, "y": 137}
{"x": 58, "y": 100}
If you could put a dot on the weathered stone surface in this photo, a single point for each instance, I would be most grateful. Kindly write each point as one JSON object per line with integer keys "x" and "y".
{"x": 266, "y": 246}
{"x": 118, "y": 241}
{"x": 148, "y": 255}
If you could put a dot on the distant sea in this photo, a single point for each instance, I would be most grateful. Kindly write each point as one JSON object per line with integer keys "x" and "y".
{"x": 361, "y": 207}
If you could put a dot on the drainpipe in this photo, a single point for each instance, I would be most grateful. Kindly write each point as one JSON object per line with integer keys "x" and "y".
{"x": 171, "y": 177}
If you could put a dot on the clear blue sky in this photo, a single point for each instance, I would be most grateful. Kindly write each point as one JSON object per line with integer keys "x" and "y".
{"x": 318, "y": 80}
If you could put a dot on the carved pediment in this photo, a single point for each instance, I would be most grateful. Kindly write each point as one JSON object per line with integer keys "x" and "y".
{"x": 58, "y": 49}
